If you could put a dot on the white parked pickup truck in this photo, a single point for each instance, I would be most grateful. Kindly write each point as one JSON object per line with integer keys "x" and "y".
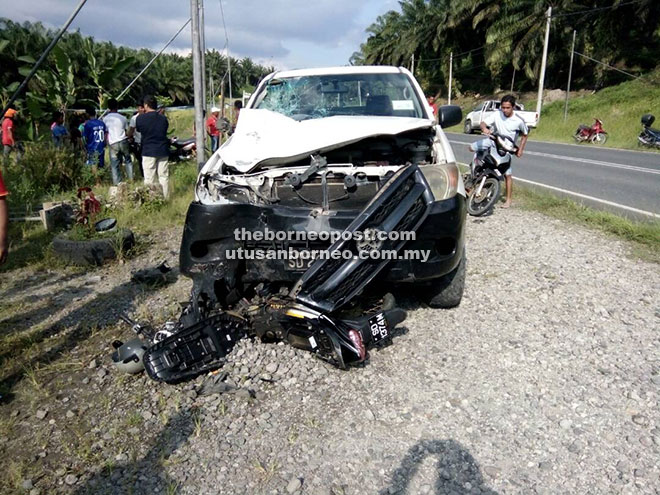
{"x": 476, "y": 116}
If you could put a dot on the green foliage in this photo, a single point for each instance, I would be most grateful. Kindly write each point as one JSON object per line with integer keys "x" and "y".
{"x": 43, "y": 170}
{"x": 490, "y": 40}
{"x": 81, "y": 72}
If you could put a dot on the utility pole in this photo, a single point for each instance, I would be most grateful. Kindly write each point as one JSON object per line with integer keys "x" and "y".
{"x": 451, "y": 65}
{"x": 513, "y": 78}
{"x": 539, "y": 100}
{"x": 412, "y": 64}
{"x": 570, "y": 73}
{"x": 198, "y": 75}
{"x": 202, "y": 47}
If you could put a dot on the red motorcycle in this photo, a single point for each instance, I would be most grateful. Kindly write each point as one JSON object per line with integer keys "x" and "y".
{"x": 594, "y": 134}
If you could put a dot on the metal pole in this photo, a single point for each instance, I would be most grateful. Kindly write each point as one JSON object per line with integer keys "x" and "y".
{"x": 513, "y": 78}
{"x": 197, "y": 83}
{"x": 539, "y": 100}
{"x": 451, "y": 66}
{"x": 412, "y": 64}
{"x": 43, "y": 57}
{"x": 202, "y": 47}
{"x": 570, "y": 72}
{"x": 152, "y": 61}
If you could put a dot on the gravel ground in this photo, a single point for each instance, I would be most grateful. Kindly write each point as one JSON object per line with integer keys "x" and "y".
{"x": 546, "y": 379}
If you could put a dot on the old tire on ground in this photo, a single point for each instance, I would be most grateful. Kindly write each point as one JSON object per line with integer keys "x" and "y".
{"x": 447, "y": 291}
{"x": 467, "y": 129}
{"x": 92, "y": 252}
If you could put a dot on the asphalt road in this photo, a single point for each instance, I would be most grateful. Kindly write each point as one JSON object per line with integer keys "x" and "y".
{"x": 625, "y": 182}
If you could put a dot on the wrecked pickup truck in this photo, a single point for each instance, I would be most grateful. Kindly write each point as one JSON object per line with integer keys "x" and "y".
{"x": 334, "y": 180}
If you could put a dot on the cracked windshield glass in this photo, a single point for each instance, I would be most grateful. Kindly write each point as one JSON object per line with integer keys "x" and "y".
{"x": 313, "y": 97}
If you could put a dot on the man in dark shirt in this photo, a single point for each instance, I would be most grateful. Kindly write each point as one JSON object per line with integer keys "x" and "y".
{"x": 152, "y": 127}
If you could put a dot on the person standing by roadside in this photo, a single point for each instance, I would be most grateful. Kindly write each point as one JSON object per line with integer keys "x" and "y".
{"x": 135, "y": 138}
{"x": 507, "y": 124}
{"x": 212, "y": 128}
{"x": 8, "y": 138}
{"x": 118, "y": 142}
{"x": 57, "y": 129}
{"x": 94, "y": 136}
{"x": 4, "y": 221}
{"x": 152, "y": 125}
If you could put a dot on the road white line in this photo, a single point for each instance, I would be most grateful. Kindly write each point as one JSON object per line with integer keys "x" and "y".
{"x": 591, "y": 198}
{"x": 585, "y": 160}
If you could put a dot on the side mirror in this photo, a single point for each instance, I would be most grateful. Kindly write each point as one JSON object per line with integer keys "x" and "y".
{"x": 449, "y": 115}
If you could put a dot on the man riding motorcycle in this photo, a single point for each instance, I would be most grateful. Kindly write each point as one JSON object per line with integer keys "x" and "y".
{"x": 508, "y": 124}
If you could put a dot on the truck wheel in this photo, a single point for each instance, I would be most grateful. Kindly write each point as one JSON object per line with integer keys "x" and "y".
{"x": 468, "y": 127}
{"x": 447, "y": 291}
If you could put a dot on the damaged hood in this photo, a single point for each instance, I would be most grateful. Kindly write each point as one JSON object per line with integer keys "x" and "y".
{"x": 266, "y": 137}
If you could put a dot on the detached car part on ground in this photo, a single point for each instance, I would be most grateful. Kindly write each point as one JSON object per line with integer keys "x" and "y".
{"x": 350, "y": 150}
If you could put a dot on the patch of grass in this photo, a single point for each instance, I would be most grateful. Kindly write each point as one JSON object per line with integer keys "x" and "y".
{"x": 198, "y": 422}
{"x": 643, "y": 236}
{"x": 266, "y": 472}
{"x": 619, "y": 107}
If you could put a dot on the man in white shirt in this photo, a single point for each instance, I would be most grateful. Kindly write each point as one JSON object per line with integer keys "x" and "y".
{"x": 505, "y": 123}
{"x": 135, "y": 138}
{"x": 118, "y": 142}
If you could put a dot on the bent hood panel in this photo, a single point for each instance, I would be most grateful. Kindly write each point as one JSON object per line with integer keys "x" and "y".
{"x": 263, "y": 135}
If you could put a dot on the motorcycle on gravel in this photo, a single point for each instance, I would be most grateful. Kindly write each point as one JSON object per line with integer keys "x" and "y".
{"x": 594, "y": 134}
{"x": 649, "y": 137}
{"x": 487, "y": 170}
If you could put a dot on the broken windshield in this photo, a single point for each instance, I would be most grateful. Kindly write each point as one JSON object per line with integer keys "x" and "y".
{"x": 313, "y": 97}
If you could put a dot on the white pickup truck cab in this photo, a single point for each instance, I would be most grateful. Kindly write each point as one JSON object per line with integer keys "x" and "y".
{"x": 475, "y": 117}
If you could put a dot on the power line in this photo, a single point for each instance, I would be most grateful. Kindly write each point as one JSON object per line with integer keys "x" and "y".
{"x": 153, "y": 60}
{"x": 224, "y": 26}
{"x": 606, "y": 65}
{"x": 596, "y": 9}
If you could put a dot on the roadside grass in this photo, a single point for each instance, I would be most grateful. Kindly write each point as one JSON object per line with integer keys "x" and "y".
{"x": 620, "y": 108}
{"x": 644, "y": 237}
{"x": 30, "y": 243}
{"x": 181, "y": 123}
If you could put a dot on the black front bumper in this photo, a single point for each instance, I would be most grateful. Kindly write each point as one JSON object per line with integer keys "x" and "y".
{"x": 209, "y": 233}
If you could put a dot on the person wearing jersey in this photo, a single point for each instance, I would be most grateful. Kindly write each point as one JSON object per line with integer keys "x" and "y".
{"x": 505, "y": 123}
{"x": 95, "y": 136}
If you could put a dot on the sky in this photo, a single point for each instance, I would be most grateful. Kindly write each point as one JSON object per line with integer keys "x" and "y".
{"x": 286, "y": 34}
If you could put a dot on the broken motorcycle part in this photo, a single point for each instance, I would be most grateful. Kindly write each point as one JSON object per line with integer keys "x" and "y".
{"x": 194, "y": 350}
{"x": 128, "y": 356}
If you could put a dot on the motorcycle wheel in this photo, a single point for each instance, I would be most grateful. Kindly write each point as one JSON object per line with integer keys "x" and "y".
{"x": 577, "y": 137}
{"x": 599, "y": 138}
{"x": 479, "y": 205}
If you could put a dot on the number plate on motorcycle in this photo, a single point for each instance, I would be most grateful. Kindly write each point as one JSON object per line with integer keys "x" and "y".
{"x": 378, "y": 328}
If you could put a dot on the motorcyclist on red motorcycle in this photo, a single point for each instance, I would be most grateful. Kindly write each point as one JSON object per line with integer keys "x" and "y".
{"x": 506, "y": 123}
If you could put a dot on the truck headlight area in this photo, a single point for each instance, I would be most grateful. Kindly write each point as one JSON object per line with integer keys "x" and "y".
{"x": 442, "y": 179}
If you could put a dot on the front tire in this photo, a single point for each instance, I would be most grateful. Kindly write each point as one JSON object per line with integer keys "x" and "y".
{"x": 467, "y": 129}
{"x": 599, "y": 138}
{"x": 447, "y": 291}
{"x": 478, "y": 205}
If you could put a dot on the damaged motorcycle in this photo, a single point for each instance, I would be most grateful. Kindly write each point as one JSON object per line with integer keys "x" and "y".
{"x": 337, "y": 182}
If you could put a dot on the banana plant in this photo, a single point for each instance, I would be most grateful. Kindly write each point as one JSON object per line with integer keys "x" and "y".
{"x": 103, "y": 77}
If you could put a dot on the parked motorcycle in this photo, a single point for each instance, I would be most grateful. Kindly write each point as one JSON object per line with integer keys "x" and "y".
{"x": 182, "y": 149}
{"x": 594, "y": 134}
{"x": 649, "y": 137}
{"x": 486, "y": 173}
